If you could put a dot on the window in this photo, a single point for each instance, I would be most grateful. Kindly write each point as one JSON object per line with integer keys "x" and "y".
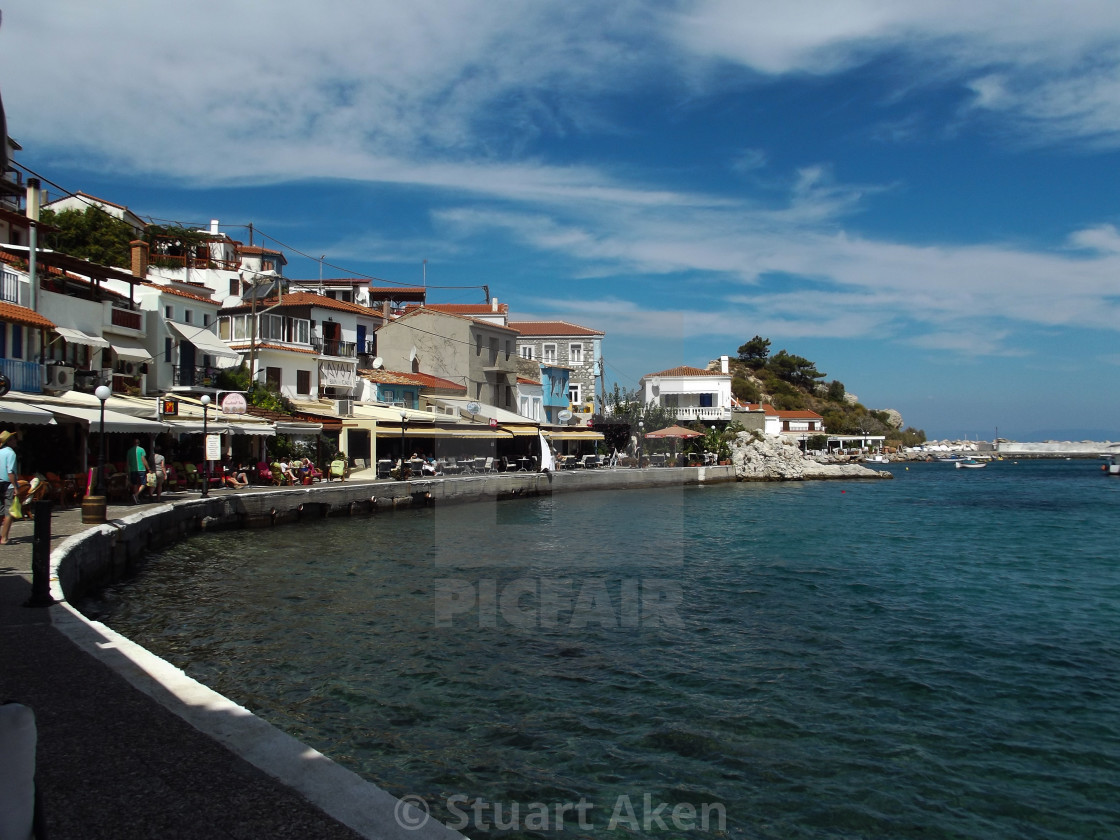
{"x": 273, "y": 378}
{"x": 205, "y": 319}
{"x": 17, "y": 341}
{"x": 478, "y": 344}
{"x": 527, "y": 351}
{"x": 169, "y": 313}
{"x": 575, "y": 354}
{"x": 707, "y": 400}
{"x": 548, "y": 354}
{"x": 303, "y": 382}
{"x": 575, "y": 393}
{"x": 493, "y": 350}
{"x": 509, "y": 349}
{"x": 234, "y": 286}
{"x": 187, "y": 316}
{"x": 3, "y": 340}
{"x": 167, "y": 349}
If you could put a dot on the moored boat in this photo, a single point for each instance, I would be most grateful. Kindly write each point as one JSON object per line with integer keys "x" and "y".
{"x": 971, "y": 464}
{"x": 1111, "y": 465}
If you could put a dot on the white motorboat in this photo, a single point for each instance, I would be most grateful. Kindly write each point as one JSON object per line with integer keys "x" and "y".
{"x": 971, "y": 464}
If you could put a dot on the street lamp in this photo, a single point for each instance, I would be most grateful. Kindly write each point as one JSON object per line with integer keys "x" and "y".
{"x": 641, "y": 440}
{"x": 205, "y": 428}
{"x": 404, "y": 420}
{"x": 93, "y": 506}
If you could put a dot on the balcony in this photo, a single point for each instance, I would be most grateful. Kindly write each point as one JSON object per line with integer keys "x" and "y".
{"x": 329, "y": 347}
{"x": 11, "y": 289}
{"x": 204, "y": 377}
{"x": 24, "y": 376}
{"x": 127, "y": 318}
{"x": 698, "y": 412}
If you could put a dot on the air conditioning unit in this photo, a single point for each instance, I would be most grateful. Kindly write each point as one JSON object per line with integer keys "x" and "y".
{"x": 344, "y": 408}
{"x": 130, "y": 368}
{"x": 58, "y": 378}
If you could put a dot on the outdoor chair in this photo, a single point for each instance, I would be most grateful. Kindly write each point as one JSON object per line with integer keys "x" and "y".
{"x": 177, "y": 477}
{"x": 337, "y": 470}
{"x": 264, "y": 473}
{"x": 488, "y": 466}
{"x": 194, "y": 480}
{"x": 279, "y": 477}
{"x": 383, "y": 467}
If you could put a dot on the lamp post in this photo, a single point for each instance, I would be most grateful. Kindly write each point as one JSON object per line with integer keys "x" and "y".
{"x": 93, "y": 505}
{"x": 404, "y": 419}
{"x": 205, "y": 429}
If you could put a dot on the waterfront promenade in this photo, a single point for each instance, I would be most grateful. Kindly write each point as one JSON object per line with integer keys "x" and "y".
{"x": 112, "y": 763}
{"x": 114, "y": 760}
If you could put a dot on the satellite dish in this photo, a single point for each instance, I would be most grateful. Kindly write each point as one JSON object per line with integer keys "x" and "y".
{"x": 377, "y": 362}
{"x": 564, "y": 416}
{"x": 412, "y": 354}
{"x": 474, "y": 407}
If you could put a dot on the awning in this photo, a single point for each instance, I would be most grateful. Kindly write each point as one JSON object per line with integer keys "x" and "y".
{"x": 79, "y": 337}
{"x": 519, "y": 431}
{"x": 574, "y": 434}
{"x": 129, "y": 350}
{"x": 195, "y": 427}
{"x": 284, "y": 427}
{"x": 115, "y": 422}
{"x": 472, "y": 433}
{"x": 12, "y": 412}
{"x": 204, "y": 340}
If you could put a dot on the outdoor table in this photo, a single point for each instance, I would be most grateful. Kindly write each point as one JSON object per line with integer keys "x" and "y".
{"x": 524, "y": 464}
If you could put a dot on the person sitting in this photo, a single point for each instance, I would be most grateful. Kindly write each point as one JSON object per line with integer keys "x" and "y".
{"x": 234, "y": 480}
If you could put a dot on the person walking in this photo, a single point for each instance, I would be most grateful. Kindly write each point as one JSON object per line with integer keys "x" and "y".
{"x": 159, "y": 464}
{"x": 8, "y": 482}
{"x": 136, "y": 464}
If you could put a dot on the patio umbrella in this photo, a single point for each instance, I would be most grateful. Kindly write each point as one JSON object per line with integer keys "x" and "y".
{"x": 673, "y": 434}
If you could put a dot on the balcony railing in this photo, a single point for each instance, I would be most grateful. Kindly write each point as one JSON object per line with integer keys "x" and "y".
{"x": 10, "y": 287}
{"x": 344, "y": 349}
{"x": 24, "y": 376}
{"x": 199, "y": 376}
{"x": 124, "y": 318}
{"x": 180, "y": 261}
{"x": 697, "y": 412}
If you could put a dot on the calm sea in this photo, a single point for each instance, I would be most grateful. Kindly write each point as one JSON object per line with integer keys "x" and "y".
{"x": 936, "y": 656}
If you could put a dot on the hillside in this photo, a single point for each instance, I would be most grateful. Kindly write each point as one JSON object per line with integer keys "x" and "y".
{"x": 793, "y": 383}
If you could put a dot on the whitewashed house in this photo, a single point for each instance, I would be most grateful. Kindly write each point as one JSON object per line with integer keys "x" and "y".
{"x": 691, "y": 393}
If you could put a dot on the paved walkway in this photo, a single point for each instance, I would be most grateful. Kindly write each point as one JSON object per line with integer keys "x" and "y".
{"x": 112, "y": 763}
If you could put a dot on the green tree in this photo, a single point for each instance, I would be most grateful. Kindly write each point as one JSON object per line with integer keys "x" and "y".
{"x": 836, "y": 391}
{"x": 624, "y": 410}
{"x": 169, "y": 244}
{"x": 754, "y": 352}
{"x": 745, "y": 389}
{"x": 795, "y": 370}
{"x": 90, "y": 234}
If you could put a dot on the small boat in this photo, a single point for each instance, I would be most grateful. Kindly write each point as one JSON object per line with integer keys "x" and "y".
{"x": 876, "y": 459}
{"x": 971, "y": 464}
{"x": 1111, "y": 465}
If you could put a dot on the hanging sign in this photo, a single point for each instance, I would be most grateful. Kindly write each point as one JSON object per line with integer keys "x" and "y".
{"x": 234, "y": 404}
{"x": 169, "y": 407}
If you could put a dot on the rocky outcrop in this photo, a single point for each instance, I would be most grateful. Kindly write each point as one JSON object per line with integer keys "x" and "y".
{"x": 773, "y": 459}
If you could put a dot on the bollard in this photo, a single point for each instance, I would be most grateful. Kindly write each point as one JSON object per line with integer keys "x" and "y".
{"x": 41, "y": 557}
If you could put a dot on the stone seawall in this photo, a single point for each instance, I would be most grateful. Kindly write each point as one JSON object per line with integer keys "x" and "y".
{"x": 107, "y": 553}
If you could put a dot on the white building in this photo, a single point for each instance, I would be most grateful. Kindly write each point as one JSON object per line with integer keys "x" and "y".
{"x": 692, "y": 393}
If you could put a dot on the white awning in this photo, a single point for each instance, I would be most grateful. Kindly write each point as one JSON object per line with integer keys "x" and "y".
{"x": 13, "y": 412}
{"x": 204, "y": 340}
{"x": 129, "y": 350}
{"x": 115, "y": 422}
{"x": 79, "y": 337}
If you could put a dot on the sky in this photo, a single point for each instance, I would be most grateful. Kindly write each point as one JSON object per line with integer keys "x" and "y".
{"x": 921, "y": 198}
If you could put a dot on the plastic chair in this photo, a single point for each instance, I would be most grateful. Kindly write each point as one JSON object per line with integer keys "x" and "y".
{"x": 191, "y": 473}
{"x": 264, "y": 473}
{"x": 337, "y": 470}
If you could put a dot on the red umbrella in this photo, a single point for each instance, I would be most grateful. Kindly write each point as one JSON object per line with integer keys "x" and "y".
{"x": 674, "y": 433}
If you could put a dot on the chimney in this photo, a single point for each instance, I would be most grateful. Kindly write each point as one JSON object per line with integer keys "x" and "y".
{"x": 723, "y": 368}
{"x": 139, "y": 258}
{"x": 213, "y": 227}
{"x": 494, "y": 305}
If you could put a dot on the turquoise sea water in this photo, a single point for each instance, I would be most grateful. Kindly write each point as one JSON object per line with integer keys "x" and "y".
{"x": 936, "y": 656}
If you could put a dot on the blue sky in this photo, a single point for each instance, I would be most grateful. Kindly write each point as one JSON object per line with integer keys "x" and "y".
{"x": 920, "y": 197}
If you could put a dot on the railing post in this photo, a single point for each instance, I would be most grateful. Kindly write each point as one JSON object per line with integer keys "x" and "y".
{"x": 41, "y": 556}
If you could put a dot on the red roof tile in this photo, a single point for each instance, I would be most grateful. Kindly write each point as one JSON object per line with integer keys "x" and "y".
{"x": 22, "y": 315}
{"x": 685, "y": 370}
{"x": 549, "y": 328}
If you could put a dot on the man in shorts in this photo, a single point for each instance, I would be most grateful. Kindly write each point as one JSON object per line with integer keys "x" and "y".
{"x": 8, "y": 482}
{"x": 136, "y": 464}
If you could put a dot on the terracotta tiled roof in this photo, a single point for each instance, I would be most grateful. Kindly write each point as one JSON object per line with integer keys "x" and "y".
{"x": 15, "y": 314}
{"x": 777, "y": 412}
{"x": 685, "y": 370}
{"x": 306, "y": 299}
{"x": 413, "y": 311}
{"x": 466, "y": 308}
{"x": 398, "y": 377}
{"x": 173, "y": 291}
{"x": 524, "y": 380}
{"x": 558, "y": 328}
